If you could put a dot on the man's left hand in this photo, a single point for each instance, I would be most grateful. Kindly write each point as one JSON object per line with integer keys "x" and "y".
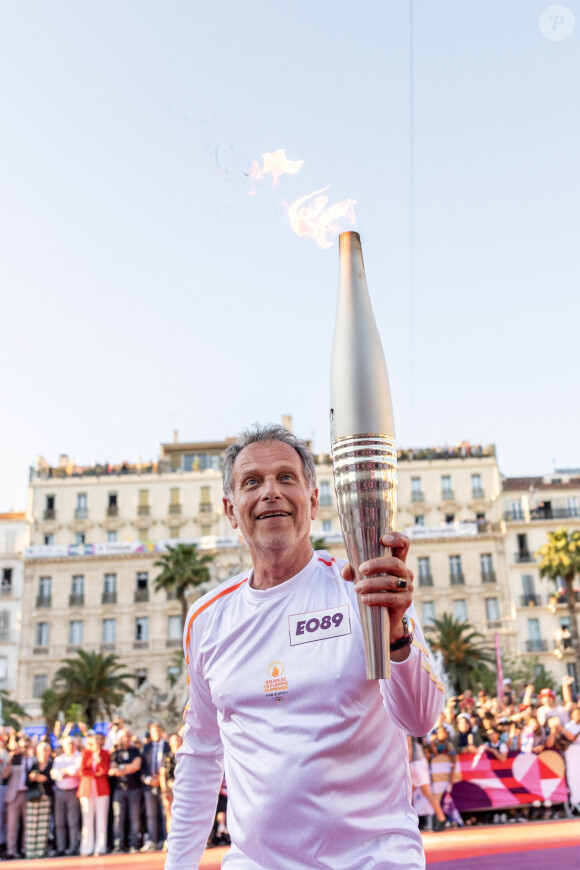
{"x": 387, "y": 581}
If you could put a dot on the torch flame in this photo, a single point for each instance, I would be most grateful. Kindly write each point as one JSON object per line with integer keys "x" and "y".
{"x": 315, "y": 221}
{"x": 275, "y": 671}
{"x": 275, "y": 163}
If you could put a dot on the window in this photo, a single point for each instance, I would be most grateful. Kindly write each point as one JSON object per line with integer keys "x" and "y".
{"x": 173, "y": 672}
{"x": 49, "y": 540}
{"x": 424, "y": 568}
{"x": 446, "y": 489}
{"x": 140, "y": 677}
{"x": 75, "y": 632}
{"x": 42, "y": 633}
{"x": 486, "y": 563}
{"x": 427, "y": 612}
{"x": 110, "y": 583}
{"x": 205, "y": 498}
{"x": 143, "y": 535}
{"x": 174, "y": 495}
{"x": 109, "y": 630}
{"x": 45, "y": 588}
{"x": 476, "y": 487}
{"x": 80, "y": 539}
{"x": 326, "y": 525}
{"x": 50, "y": 502}
{"x": 39, "y": 685}
{"x": 534, "y": 629}
{"x": 111, "y": 536}
{"x": 4, "y": 625}
{"x": 449, "y": 519}
{"x": 455, "y": 571}
{"x": 112, "y": 500}
{"x": 528, "y": 584}
{"x": 205, "y": 531}
{"x": 142, "y": 580}
{"x": 174, "y": 532}
{"x": 516, "y": 510}
{"x": 201, "y": 461}
{"x": 78, "y": 585}
{"x": 6, "y": 580}
{"x": 3, "y": 668}
{"x": 81, "y": 500}
{"x": 174, "y": 630}
{"x": 416, "y": 489}
{"x": 491, "y": 609}
{"x": 573, "y": 506}
{"x": 460, "y": 610}
{"x": 325, "y": 497}
{"x": 523, "y": 554}
{"x": 142, "y": 628}
{"x": 419, "y": 520}
{"x": 143, "y": 498}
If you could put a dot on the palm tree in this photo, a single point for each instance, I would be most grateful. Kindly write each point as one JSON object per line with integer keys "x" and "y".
{"x": 560, "y": 560}
{"x": 12, "y": 712}
{"x": 318, "y": 543}
{"x": 182, "y": 568}
{"x": 93, "y": 681}
{"x": 466, "y": 655}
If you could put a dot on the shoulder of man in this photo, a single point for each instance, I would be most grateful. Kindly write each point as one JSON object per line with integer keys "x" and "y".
{"x": 206, "y": 604}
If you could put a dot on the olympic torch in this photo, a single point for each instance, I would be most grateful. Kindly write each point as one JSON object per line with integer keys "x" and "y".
{"x": 362, "y": 435}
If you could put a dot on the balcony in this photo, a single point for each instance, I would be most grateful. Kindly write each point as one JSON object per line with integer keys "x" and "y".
{"x": 205, "y": 508}
{"x": 425, "y": 580}
{"x": 6, "y": 590}
{"x": 325, "y": 501}
{"x": 141, "y": 595}
{"x": 447, "y": 495}
{"x": 171, "y": 595}
{"x": 457, "y": 579}
{"x": 494, "y": 623}
{"x": 536, "y": 645}
{"x": 549, "y": 513}
{"x": 39, "y": 650}
{"x": 73, "y": 647}
{"x": 44, "y": 600}
{"x": 49, "y": 514}
{"x": 417, "y": 496}
{"x": 488, "y": 577}
{"x": 523, "y": 556}
{"x": 530, "y": 600}
{"x": 477, "y": 494}
{"x": 76, "y": 599}
{"x": 143, "y": 510}
{"x": 108, "y": 646}
{"x": 140, "y": 644}
{"x": 109, "y": 597}
{"x": 174, "y": 508}
{"x": 514, "y": 516}
{"x": 8, "y": 636}
{"x": 81, "y": 513}
{"x": 113, "y": 510}
{"x": 173, "y": 642}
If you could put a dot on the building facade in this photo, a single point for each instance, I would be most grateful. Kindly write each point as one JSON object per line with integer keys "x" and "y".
{"x": 13, "y": 541}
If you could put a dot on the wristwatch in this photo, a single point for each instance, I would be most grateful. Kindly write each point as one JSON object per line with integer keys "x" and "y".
{"x": 405, "y": 640}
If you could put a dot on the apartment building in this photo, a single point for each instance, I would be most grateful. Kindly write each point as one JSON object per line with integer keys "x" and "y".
{"x": 533, "y": 507}
{"x": 13, "y": 540}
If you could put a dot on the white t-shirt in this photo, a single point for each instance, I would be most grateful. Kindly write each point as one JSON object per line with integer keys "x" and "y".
{"x": 315, "y": 754}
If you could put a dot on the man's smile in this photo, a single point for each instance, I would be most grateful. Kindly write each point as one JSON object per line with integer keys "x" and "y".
{"x": 269, "y": 514}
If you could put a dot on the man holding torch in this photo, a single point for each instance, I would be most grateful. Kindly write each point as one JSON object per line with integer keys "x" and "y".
{"x": 315, "y": 754}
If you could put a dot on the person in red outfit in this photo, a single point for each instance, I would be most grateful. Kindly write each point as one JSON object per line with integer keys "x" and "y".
{"x": 93, "y": 793}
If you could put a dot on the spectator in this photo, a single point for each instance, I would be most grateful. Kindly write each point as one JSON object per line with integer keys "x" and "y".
{"x": 153, "y": 754}
{"x": 420, "y": 778}
{"x": 549, "y": 708}
{"x": 39, "y": 805}
{"x": 572, "y": 756}
{"x": 94, "y": 793}
{"x": 495, "y": 746}
{"x": 67, "y": 809}
{"x": 19, "y": 763}
{"x": 167, "y": 777}
{"x": 465, "y": 740}
{"x": 125, "y": 771}
{"x": 4, "y": 755}
{"x": 532, "y": 736}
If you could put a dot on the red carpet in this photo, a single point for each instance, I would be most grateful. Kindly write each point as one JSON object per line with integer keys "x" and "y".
{"x": 536, "y": 845}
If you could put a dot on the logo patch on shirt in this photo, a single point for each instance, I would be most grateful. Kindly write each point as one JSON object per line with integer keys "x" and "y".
{"x": 319, "y": 625}
{"x": 276, "y": 683}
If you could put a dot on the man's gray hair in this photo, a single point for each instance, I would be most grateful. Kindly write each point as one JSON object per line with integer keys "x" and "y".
{"x": 270, "y": 432}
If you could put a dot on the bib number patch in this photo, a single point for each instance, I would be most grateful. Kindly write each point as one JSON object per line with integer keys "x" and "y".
{"x": 319, "y": 625}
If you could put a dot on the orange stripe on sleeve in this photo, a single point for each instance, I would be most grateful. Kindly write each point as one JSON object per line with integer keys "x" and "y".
{"x": 204, "y": 607}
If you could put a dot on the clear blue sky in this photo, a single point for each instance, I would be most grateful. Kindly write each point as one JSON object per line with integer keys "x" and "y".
{"x": 143, "y": 290}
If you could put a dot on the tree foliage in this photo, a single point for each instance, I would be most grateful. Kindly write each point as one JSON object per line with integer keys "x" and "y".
{"x": 523, "y": 670}
{"x": 467, "y": 657}
{"x": 560, "y": 561}
{"x": 12, "y": 712}
{"x": 182, "y": 569}
{"x": 92, "y": 680}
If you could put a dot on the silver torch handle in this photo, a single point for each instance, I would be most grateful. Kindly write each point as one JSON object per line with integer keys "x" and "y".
{"x": 364, "y": 453}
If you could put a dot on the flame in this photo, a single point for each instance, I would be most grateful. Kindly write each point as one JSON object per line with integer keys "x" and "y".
{"x": 315, "y": 221}
{"x": 275, "y": 163}
{"x": 275, "y": 671}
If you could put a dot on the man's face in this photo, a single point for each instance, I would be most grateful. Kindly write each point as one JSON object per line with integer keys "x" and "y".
{"x": 272, "y": 503}
{"x": 155, "y": 733}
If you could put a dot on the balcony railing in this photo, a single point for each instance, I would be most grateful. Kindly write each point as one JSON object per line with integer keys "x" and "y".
{"x": 140, "y": 644}
{"x": 418, "y": 496}
{"x": 141, "y": 595}
{"x": 425, "y": 580}
{"x": 537, "y": 645}
{"x": 76, "y": 599}
{"x": 73, "y": 647}
{"x": 173, "y": 642}
{"x": 554, "y": 513}
{"x": 49, "y": 514}
{"x": 113, "y": 510}
{"x": 108, "y": 646}
{"x": 488, "y": 577}
{"x": 81, "y": 513}
{"x": 8, "y": 636}
{"x": 6, "y": 590}
{"x": 514, "y": 516}
{"x": 143, "y": 510}
{"x": 447, "y": 495}
{"x": 109, "y": 597}
{"x": 477, "y": 493}
{"x": 325, "y": 501}
{"x": 530, "y": 600}
{"x": 171, "y": 595}
{"x": 523, "y": 556}
{"x": 44, "y": 600}
{"x": 174, "y": 508}
{"x": 494, "y": 623}
{"x": 39, "y": 650}
{"x": 457, "y": 579}
{"x": 205, "y": 507}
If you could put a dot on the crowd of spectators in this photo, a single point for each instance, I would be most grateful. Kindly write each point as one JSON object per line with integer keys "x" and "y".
{"x": 77, "y": 792}
{"x": 520, "y": 721}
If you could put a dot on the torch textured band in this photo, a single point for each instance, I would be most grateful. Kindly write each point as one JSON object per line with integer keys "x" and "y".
{"x": 365, "y": 478}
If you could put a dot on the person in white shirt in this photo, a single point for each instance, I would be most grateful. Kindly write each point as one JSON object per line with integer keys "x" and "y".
{"x": 67, "y": 808}
{"x": 315, "y": 754}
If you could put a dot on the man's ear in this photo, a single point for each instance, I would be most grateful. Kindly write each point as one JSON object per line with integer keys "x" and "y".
{"x": 313, "y": 503}
{"x": 229, "y": 511}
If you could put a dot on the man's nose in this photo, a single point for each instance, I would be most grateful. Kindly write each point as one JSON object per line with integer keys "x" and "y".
{"x": 271, "y": 488}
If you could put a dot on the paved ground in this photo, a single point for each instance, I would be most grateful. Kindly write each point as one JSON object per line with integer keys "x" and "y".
{"x": 533, "y": 846}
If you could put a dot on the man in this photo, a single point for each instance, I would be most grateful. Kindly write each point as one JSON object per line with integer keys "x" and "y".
{"x": 125, "y": 771}
{"x": 67, "y": 809}
{"x": 19, "y": 763}
{"x": 548, "y": 708}
{"x": 153, "y": 753}
{"x": 315, "y": 754}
